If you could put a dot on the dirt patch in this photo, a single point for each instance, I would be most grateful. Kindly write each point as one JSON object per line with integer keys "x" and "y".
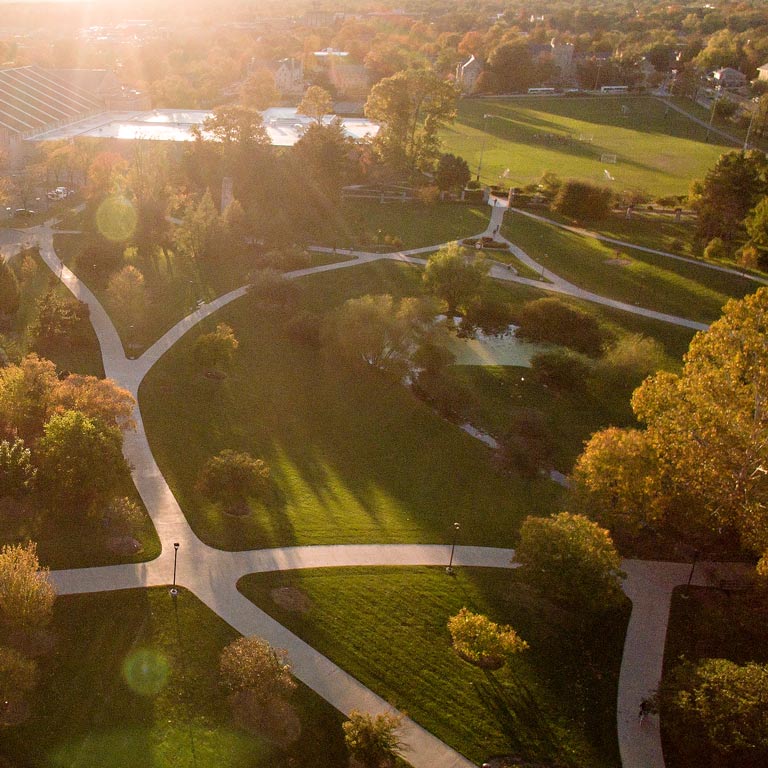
{"x": 619, "y": 262}
{"x": 215, "y": 375}
{"x": 291, "y": 599}
{"x": 124, "y": 545}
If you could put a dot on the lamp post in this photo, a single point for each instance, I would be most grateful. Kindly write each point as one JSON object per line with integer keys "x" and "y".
{"x": 482, "y": 146}
{"x": 174, "y": 592}
{"x": 718, "y": 93}
{"x": 449, "y": 569}
{"x": 755, "y": 110}
{"x": 696, "y": 554}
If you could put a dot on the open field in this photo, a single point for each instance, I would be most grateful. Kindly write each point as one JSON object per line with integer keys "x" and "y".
{"x": 709, "y": 623}
{"x": 85, "y": 712}
{"x": 364, "y": 223}
{"x": 657, "y": 153}
{"x": 644, "y": 279}
{"x": 354, "y": 457}
{"x": 554, "y": 703}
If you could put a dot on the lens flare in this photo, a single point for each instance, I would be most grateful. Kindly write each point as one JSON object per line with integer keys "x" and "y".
{"x": 116, "y": 219}
{"x": 146, "y": 671}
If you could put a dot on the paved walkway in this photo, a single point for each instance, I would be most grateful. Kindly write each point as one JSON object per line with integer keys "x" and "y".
{"x": 212, "y": 574}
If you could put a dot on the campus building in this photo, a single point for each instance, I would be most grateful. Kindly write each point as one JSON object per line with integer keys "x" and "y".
{"x": 34, "y": 100}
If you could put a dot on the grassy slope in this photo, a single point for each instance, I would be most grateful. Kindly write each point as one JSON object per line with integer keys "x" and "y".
{"x": 353, "y": 456}
{"x": 713, "y": 624}
{"x": 84, "y": 714}
{"x": 387, "y": 627}
{"x": 655, "y": 153}
{"x": 360, "y": 221}
{"x": 649, "y": 281}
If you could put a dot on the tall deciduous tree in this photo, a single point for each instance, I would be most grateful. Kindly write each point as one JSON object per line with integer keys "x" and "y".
{"x": 571, "y": 559}
{"x": 80, "y": 460}
{"x": 453, "y": 277}
{"x": 721, "y": 702}
{"x": 259, "y": 91}
{"x": 217, "y": 347}
{"x": 231, "y": 477}
{"x": 412, "y": 106}
{"x": 316, "y": 103}
{"x": 9, "y": 290}
{"x": 729, "y": 191}
{"x": 97, "y": 398}
{"x": 26, "y": 394}
{"x": 452, "y": 172}
{"x": 127, "y": 296}
{"x": 709, "y": 424}
{"x": 379, "y": 331}
{"x": 251, "y": 663}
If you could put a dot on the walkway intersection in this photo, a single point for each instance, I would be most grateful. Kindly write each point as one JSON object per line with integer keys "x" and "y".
{"x": 212, "y": 574}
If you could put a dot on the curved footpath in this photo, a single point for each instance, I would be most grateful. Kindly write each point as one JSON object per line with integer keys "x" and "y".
{"x": 212, "y": 574}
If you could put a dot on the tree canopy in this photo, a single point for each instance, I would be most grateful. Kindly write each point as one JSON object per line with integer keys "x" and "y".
{"x": 570, "y": 559}
{"x": 454, "y": 277}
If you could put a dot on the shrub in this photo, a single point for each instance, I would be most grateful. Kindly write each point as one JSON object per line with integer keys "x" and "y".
{"x": 582, "y": 201}
{"x": 561, "y": 370}
{"x": 372, "y": 741}
{"x": 216, "y": 348}
{"x": 481, "y": 641}
{"x": 16, "y": 471}
{"x": 252, "y": 664}
{"x": 716, "y": 250}
{"x": 492, "y": 316}
{"x": 231, "y": 477}
{"x": 26, "y": 594}
{"x": 527, "y": 446}
{"x": 123, "y": 516}
{"x": 551, "y": 321}
{"x": 427, "y": 195}
{"x": 270, "y": 290}
{"x": 304, "y": 328}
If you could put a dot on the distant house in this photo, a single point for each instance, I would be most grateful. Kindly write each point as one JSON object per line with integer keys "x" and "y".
{"x": 762, "y": 72}
{"x": 288, "y": 74}
{"x": 729, "y": 78}
{"x": 467, "y": 74}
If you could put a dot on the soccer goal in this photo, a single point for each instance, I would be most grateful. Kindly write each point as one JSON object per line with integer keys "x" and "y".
{"x": 604, "y": 158}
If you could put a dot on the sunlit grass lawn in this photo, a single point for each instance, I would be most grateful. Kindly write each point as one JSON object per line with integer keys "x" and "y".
{"x": 657, "y": 153}
{"x": 363, "y": 223}
{"x": 710, "y": 623}
{"x": 354, "y": 457}
{"x": 647, "y": 280}
{"x": 84, "y": 713}
{"x": 554, "y": 704}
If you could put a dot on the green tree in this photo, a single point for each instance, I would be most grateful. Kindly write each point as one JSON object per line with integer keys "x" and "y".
{"x": 582, "y": 201}
{"x": 199, "y": 231}
{"x": 316, "y": 103}
{"x": 236, "y": 126}
{"x": 80, "y": 461}
{"x": 17, "y": 473}
{"x": 453, "y": 277}
{"x": 729, "y": 191}
{"x": 26, "y": 593}
{"x": 756, "y": 225}
{"x": 570, "y": 559}
{"x": 481, "y": 641}
{"x": 58, "y": 319}
{"x": 378, "y": 331}
{"x": 721, "y": 703}
{"x": 9, "y": 290}
{"x": 127, "y": 296}
{"x": 216, "y": 348}
{"x": 452, "y": 172}
{"x": 512, "y": 64}
{"x": 324, "y": 155}
{"x": 231, "y": 477}
{"x": 411, "y": 106}
{"x": 372, "y": 742}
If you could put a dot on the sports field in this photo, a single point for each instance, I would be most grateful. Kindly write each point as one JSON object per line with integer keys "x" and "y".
{"x": 656, "y": 150}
